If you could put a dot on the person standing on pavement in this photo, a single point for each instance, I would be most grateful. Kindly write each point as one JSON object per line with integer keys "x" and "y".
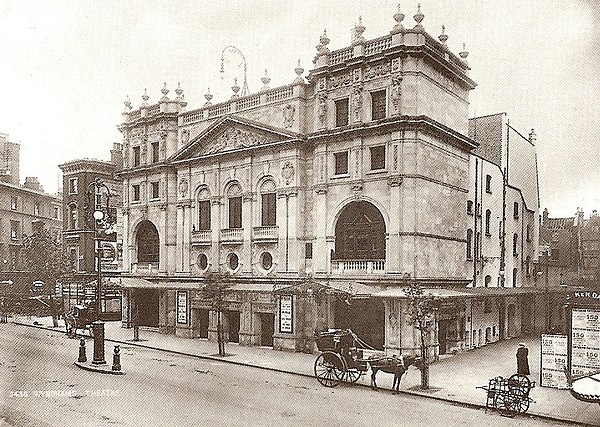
{"x": 522, "y": 359}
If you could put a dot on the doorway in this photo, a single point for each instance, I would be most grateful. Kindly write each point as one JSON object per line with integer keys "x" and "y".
{"x": 366, "y": 318}
{"x": 200, "y": 326}
{"x": 147, "y": 302}
{"x": 233, "y": 326}
{"x": 267, "y": 329}
{"x": 443, "y": 335}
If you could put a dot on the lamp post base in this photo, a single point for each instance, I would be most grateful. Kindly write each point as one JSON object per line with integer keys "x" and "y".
{"x": 98, "y": 328}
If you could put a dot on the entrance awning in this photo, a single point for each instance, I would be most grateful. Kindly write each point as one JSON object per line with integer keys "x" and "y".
{"x": 397, "y": 292}
{"x": 138, "y": 282}
{"x": 352, "y": 289}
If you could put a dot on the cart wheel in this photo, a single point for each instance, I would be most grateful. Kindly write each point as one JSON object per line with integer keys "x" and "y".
{"x": 326, "y": 365}
{"x": 510, "y": 403}
{"x": 351, "y": 375}
{"x": 519, "y": 381}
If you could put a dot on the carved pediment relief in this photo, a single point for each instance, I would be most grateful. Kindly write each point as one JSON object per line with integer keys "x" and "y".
{"x": 233, "y": 138}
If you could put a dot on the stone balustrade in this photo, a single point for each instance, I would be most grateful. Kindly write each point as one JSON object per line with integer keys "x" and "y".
{"x": 266, "y": 233}
{"x": 232, "y": 235}
{"x": 357, "y": 266}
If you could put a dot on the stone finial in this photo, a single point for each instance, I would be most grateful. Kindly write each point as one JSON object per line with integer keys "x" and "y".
{"x": 398, "y": 17}
{"x": 180, "y": 96}
{"x": 266, "y": 80}
{"x": 464, "y": 53}
{"x": 359, "y": 29}
{"x": 418, "y": 17}
{"x": 127, "y": 103}
{"x": 235, "y": 88}
{"x": 532, "y": 136}
{"x": 208, "y": 96}
{"x": 299, "y": 70}
{"x": 145, "y": 97}
{"x": 178, "y": 91}
{"x": 322, "y": 48}
{"x": 164, "y": 91}
{"x": 324, "y": 40}
{"x": 443, "y": 37}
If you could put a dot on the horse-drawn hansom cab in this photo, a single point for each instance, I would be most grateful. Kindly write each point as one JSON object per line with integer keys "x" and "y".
{"x": 342, "y": 360}
{"x": 79, "y": 317}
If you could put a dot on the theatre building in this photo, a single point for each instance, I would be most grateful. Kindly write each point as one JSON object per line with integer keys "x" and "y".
{"x": 322, "y": 200}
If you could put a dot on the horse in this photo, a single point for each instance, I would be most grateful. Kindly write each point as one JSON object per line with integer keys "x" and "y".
{"x": 392, "y": 365}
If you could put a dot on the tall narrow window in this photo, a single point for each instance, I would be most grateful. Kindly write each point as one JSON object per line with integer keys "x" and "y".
{"x": 155, "y": 152}
{"x": 515, "y": 243}
{"x": 515, "y": 271}
{"x": 470, "y": 207}
{"x": 378, "y": 104}
{"x": 341, "y": 112}
{"x": 72, "y": 217}
{"x": 469, "y": 244}
{"x": 204, "y": 215}
{"x": 488, "y": 216}
{"x": 36, "y": 208}
{"x": 136, "y": 192}
{"x": 378, "y": 157}
{"x": 73, "y": 186}
{"x": 14, "y": 230}
{"x": 14, "y": 202}
{"x": 137, "y": 156}
{"x": 268, "y": 204}
{"x": 516, "y": 209}
{"x": 341, "y": 163}
{"x": 155, "y": 187}
{"x": 488, "y": 183}
{"x": 235, "y": 206}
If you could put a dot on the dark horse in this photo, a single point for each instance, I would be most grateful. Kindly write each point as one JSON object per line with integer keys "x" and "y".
{"x": 392, "y": 365}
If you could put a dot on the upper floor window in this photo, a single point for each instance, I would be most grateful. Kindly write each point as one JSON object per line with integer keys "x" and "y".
{"x": 488, "y": 281}
{"x": 268, "y": 198}
{"x": 341, "y": 163}
{"x": 154, "y": 186}
{"x": 378, "y": 157}
{"x": 72, "y": 217}
{"x": 136, "y": 192}
{"x": 14, "y": 202}
{"x": 469, "y": 244}
{"x": 36, "y": 208}
{"x": 488, "y": 183}
{"x": 555, "y": 254}
{"x": 515, "y": 243}
{"x": 137, "y": 156}
{"x": 470, "y": 207}
{"x": 378, "y": 105}
{"x": 73, "y": 186}
{"x": 204, "y": 215}
{"x": 14, "y": 230}
{"x": 516, "y": 209}
{"x": 528, "y": 266}
{"x": 56, "y": 212}
{"x": 341, "y": 112}
{"x": 155, "y": 152}
{"x": 488, "y": 217}
{"x": 514, "y": 278}
{"x": 234, "y": 196}
{"x": 528, "y": 232}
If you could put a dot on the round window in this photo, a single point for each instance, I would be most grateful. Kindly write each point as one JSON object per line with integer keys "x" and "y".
{"x": 266, "y": 260}
{"x": 233, "y": 261}
{"x": 202, "y": 262}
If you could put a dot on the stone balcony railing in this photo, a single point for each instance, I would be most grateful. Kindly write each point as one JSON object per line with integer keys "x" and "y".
{"x": 357, "y": 266}
{"x": 144, "y": 267}
{"x": 232, "y": 235}
{"x": 264, "y": 233}
{"x": 201, "y": 236}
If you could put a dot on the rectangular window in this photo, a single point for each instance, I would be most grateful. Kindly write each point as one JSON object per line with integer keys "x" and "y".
{"x": 378, "y": 157}
{"x": 235, "y": 212}
{"x": 73, "y": 258}
{"x": 204, "y": 215}
{"x": 154, "y": 189}
{"x": 341, "y": 112}
{"x": 470, "y": 207}
{"x": 14, "y": 201}
{"x": 516, "y": 210}
{"x": 136, "y": 192}
{"x": 136, "y": 156}
{"x": 269, "y": 209}
{"x": 36, "y": 208}
{"x": 14, "y": 230}
{"x": 555, "y": 254}
{"x": 308, "y": 251}
{"x": 56, "y": 212}
{"x": 73, "y": 186}
{"x": 488, "y": 183}
{"x": 378, "y": 105}
{"x": 155, "y": 152}
{"x": 341, "y": 163}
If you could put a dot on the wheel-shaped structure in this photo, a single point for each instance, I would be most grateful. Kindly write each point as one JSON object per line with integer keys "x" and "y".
{"x": 350, "y": 375}
{"x": 512, "y": 402}
{"x": 329, "y": 368}
{"x": 519, "y": 381}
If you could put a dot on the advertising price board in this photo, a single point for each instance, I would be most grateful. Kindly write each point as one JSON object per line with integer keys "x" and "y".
{"x": 585, "y": 341}
{"x": 181, "y": 307}
{"x": 554, "y": 360}
{"x": 286, "y": 308}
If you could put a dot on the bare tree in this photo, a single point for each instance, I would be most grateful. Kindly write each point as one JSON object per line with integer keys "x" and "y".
{"x": 217, "y": 287}
{"x": 421, "y": 314}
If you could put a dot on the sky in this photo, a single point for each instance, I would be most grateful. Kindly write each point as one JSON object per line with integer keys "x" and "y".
{"x": 66, "y": 67}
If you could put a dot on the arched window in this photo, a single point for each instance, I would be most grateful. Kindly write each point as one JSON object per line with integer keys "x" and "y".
{"x": 360, "y": 233}
{"x": 469, "y": 244}
{"x": 73, "y": 216}
{"x": 203, "y": 210}
{"x": 234, "y": 204}
{"x": 268, "y": 201}
{"x": 488, "y": 281}
{"x": 488, "y": 216}
{"x": 147, "y": 242}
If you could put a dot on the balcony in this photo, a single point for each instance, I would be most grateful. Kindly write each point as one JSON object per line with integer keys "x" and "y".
{"x": 144, "y": 267}
{"x": 266, "y": 233}
{"x": 201, "y": 236}
{"x": 358, "y": 266}
{"x": 232, "y": 235}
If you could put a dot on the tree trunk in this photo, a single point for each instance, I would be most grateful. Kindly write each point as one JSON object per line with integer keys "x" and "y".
{"x": 220, "y": 339}
{"x": 425, "y": 370}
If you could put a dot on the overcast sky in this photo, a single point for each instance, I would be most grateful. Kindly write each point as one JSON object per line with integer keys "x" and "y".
{"x": 66, "y": 66}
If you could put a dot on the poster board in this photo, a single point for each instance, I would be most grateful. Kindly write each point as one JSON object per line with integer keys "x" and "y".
{"x": 182, "y": 307}
{"x": 286, "y": 314}
{"x": 584, "y": 333}
{"x": 554, "y": 350}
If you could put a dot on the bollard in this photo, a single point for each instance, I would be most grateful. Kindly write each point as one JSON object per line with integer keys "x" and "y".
{"x": 117, "y": 359}
{"x": 82, "y": 356}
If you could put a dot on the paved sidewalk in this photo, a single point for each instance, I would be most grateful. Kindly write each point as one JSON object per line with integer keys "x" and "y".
{"x": 453, "y": 378}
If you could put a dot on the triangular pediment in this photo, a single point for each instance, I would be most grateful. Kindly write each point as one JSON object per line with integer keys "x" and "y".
{"x": 231, "y": 134}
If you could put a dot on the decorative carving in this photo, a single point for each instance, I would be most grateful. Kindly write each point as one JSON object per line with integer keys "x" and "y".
{"x": 357, "y": 74}
{"x": 373, "y": 71}
{"x": 357, "y": 188}
{"x": 340, "y": 80}
{"x": 185, "y": 136}
{"x": 322, "y": 109}
{"x": 396, "y": 89}
{"x": 322, "y": 83}
{"x": 233, "y": 138}
{"x": 395, "y": 157}
{"x": 321, "y": 189}
{"x": 287, "y": 172}
{"x": 183, "y": 187}
{"x": 288, "y": 115}
{"x": 395, "y": 65}
{"x": 394, "y": 181}
{"x": 215, "y": 200}
{"x": 357, "y": 102}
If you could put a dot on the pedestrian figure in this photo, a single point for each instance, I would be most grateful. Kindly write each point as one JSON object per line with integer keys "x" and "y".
{"x": 522, "y": 359}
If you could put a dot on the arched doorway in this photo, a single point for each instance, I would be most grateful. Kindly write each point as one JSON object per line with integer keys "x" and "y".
{"x": 147, "y": 243}
{"x": 360, "y": 233}
{"x": 366, "y": 318}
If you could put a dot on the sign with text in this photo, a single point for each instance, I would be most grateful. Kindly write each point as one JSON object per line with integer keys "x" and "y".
{"x": 181, "y": 307}
{"x": 553, "y": 361}
{"x": 585, "y": 341}
{"x": 286, "y": 311}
